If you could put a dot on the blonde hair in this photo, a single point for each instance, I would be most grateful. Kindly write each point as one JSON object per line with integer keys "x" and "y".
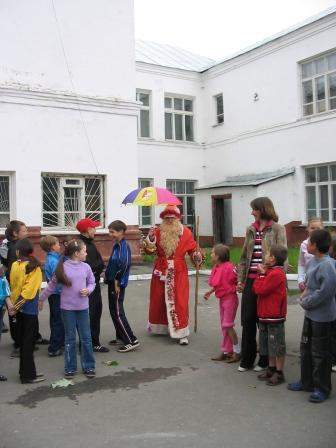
{"x": 315, "y": 219}
{"x": 47, "y": 242}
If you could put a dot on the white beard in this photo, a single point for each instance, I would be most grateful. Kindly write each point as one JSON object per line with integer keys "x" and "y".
{"x": 170, "y": 236}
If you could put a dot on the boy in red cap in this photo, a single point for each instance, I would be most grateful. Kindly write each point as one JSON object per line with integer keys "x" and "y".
{"x": 87, "y": 228}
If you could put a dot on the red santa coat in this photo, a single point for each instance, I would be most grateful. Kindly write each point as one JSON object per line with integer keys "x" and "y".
{"x": 169, "y": 290}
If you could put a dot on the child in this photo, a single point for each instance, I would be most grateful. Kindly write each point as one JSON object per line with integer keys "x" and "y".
{"x": 116, "y": 275}
{"x": 15, "y": 231}
{"x": 51, "y": 246}
{"x": 332, "y": 253}
{"x": 223, "y": 280}
{"x": 304, "y": 256}
{"x": 4, "y": 300}
{"x": 87, "y": 229}
{"x": 270, "y": 287}
{"x": 25, "y": 284}
{"x": 77, "y": 282}
{"x": 318, "y": 301}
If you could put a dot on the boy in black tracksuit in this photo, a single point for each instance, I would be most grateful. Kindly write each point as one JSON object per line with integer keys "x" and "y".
{"x": 87, "y": 229}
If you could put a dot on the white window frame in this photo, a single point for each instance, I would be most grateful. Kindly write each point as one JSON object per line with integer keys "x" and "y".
{"x": 182, "y": 112}
{"x": 147, "y": 108}
{"x": 316, "y": 185}
{"x": 313, "y": 79}
{"x": 184, "y": 196}
{"x": 151, "y": 183}
{"x": 10, "y": 177}
{"x": 217, "y": 115}
{"x": 63, "y": 180}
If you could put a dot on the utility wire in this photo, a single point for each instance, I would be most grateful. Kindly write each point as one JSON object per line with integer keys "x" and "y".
{"x": 73, "y": 87}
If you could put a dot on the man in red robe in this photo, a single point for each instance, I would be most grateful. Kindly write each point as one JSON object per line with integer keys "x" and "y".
{"x": 169, "y": 291}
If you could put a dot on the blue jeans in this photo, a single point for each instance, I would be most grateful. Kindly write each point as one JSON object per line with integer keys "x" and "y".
{"x": 56, "y": 324}
{"x": 77, "y": 320}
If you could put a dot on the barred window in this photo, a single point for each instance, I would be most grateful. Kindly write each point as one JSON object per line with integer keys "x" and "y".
{"x": 185, "y": 191}
{"x": 145, "y": 213}
{"x": 179, "y": 119}
{"x": 144, "y": 115}
{"x": 4, "y": 200}
{"x": 67, "y": 199}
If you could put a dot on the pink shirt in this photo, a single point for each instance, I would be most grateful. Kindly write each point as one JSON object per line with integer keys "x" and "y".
{"x": 304, "y": 259}
{"x": 223, "y": 279}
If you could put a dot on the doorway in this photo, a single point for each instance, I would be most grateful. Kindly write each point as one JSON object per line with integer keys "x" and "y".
{"x": 222, "y": 218}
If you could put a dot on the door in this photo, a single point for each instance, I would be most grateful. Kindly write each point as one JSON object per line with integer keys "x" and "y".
{"x": 222, "y": 219}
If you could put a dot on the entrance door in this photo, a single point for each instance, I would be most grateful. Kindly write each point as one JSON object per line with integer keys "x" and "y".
{"x": 222, "y": 218}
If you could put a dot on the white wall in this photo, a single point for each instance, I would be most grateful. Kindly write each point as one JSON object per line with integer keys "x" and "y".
{"x": 98, "y": 41}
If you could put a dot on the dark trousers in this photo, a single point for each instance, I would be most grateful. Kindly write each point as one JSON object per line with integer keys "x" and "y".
{"x": 14, "y": 333}
{"x": 333, "y": 343}
{"x": 26, "y": 330}
{"x": 316, "y": 355}
{"x": 116, "y": 305}
{"x": 249, "y": 323}
{"x": 56, "y": 324}
{"x": 95, "y": 310}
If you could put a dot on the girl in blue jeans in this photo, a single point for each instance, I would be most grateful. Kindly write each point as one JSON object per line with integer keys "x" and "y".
{"x": 78, "y": 282}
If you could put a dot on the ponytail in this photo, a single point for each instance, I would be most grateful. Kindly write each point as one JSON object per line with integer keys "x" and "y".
{"x": 60, "y": 274}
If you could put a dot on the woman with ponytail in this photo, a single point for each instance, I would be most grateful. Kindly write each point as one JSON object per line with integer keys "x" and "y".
{"x": 25, "y": 284}
{"x": 78, "y": 282}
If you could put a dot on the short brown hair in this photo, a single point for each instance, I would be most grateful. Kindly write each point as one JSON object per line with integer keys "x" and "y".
{"x": 47, "y": 242}
{"x": 322, "y": 239}
{"x": 118, "y": 226}
{"x": 222, "y": 252}
{"x": 280, "y": 254}
{"x": 266, "y": 208}
{"x": 315, "y": 219}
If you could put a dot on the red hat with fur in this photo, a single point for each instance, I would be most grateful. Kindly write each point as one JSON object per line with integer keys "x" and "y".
{"x": 171, "y": 211}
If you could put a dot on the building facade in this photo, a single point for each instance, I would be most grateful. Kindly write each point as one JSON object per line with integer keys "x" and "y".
{"x": 88, "y": 115}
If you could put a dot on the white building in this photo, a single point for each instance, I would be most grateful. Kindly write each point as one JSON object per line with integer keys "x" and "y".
{"x": 261, "y": 122}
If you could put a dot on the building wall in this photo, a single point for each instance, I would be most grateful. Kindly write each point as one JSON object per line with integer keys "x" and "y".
{"x": 160, "y": 159}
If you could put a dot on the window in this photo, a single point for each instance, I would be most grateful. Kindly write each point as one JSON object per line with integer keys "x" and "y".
{"x": 144, "y": 118}
{"x": 219, "y": 109}
{"x": 185, "y": 191}
{"x": 67, "y": 199}
{"x": 5, "y": 200}
{"x": 145, "y": 213}
{"x": 319, "y": 84}
{"x": 320, "y": 185}
{"x": 179, "y": 119}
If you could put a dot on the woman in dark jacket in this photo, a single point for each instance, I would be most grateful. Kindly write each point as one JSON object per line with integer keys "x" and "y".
{"x": 260, "y": 236}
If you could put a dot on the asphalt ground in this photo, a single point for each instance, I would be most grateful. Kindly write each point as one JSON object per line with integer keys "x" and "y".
{"x": 162, "y": 395}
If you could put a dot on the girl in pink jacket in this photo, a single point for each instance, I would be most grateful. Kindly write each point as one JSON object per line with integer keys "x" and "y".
{"x": 223, "y": 281}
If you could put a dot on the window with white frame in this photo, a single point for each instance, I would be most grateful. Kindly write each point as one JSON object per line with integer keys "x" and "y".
{"x": 320, "y": 185}
{"x": 219, "y": 108}
{"x": 144, "y": 116}
{"x": 179, "y": 118}
{"x": 68, "y": 198}
{"x": 145, "y": 213}
{"x": 185, "y": 191}
{"x": 319, "y": 84}
{"x": 5, "y": 199}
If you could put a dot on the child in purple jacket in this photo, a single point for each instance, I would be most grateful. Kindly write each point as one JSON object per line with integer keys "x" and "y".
{"x": 78, "y": 282}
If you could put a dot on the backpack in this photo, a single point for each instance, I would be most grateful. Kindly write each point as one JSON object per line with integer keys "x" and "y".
{"x": 4, "y": 291}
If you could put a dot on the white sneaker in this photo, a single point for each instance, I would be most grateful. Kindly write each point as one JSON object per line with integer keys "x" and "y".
{"x": 184, "y": 341}
{"x": 242, "y": 369}
{"x": 333, "y": 368}
{"x": 259, "y": 368}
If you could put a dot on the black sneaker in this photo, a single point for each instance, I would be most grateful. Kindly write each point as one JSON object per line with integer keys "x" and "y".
{"x": 129, "y": 347}
{"x": 54, "y": 354}
{"x": 69, "y": 374}
{"x": 42, "y": 341}
{"x": 100, "y": 349}
{"x": 15, "y": 353}
{"x": 90, "y": 373}
{"x": 3, "y": 378}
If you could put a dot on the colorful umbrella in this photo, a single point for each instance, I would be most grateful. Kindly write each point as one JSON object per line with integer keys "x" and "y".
{"x": 149, "y": 196}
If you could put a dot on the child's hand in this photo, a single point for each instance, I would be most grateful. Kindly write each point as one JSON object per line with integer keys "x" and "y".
{"x": 207, "y": 295}
{"x": 302, "y": 286}
{"x": 40, "y": 305}
{"x": 151, "y": 234}
{"x": 240, "y": 287}
{"x": 117, "y": 287}
{"x": 10, "y": 307}
{"x": 84, "y": 292}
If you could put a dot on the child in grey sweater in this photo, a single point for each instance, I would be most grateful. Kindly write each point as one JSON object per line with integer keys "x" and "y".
{"x": 318, "y": 301}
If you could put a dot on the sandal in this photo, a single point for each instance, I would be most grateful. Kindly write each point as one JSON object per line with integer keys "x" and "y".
{"x": 276, "y": 379}
{"x": 235, "y": 357}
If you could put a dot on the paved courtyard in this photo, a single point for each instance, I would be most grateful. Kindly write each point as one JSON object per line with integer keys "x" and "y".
{"x": 162, "y": 395}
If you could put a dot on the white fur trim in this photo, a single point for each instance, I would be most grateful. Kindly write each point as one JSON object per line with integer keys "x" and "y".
{"x": 157, "y": 328}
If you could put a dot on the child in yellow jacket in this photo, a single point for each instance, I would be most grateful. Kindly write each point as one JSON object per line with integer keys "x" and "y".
{"x": 25, "y": 284}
